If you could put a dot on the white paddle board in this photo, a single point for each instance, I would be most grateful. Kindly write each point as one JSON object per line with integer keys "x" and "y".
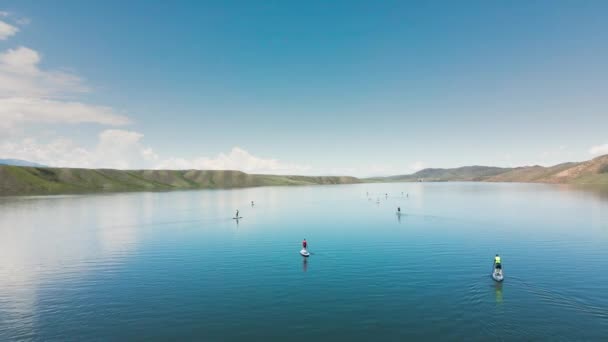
{"x": 497, "y": 275}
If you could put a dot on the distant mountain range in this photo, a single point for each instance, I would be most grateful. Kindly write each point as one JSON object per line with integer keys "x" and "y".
{"x": 26, "y": 180}
{"x": 19, "y": 162}
{"x": 593, "y": 171}
{"x": 465, "y": 173}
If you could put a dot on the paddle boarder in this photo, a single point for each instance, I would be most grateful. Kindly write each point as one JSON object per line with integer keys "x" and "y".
{"x": 304, "y": 244}
{"x": 237, "y": 214}
{"x": 497, "y": 262}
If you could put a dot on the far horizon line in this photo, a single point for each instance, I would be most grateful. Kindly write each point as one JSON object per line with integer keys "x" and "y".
{"x": 38, "y": 165}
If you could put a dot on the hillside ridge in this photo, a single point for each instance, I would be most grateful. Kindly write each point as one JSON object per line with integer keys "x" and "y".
{"x": 28, "y": 180}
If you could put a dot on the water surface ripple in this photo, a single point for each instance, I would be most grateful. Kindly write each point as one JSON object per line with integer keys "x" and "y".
{"x": 176, "y": 266}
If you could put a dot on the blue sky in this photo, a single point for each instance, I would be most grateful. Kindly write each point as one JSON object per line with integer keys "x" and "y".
{"x": 351, "y": 87}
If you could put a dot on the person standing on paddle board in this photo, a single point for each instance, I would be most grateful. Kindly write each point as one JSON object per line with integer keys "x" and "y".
{"x": 304, "y": 244}
{"x": 497, "y": 263}
{"x": 398, "y": 210}
{"x": 237, "y": 214}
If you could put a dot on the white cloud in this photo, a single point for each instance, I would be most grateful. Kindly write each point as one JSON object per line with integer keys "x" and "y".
{"x": 237, "y": 159}
{"x": 121, "y": 149}
{"x": 22, "y": 59}
{"x": 59, "y": 152}
{"x": 31, "y": 95}
{"x": 20, "y": 76}
{"x": 6, "y": 29}
{"x": 118, "y": 149}
{"x": 15, "y": 111}
{"x": 417, "y": 166}
{"x": 599, "y": 149}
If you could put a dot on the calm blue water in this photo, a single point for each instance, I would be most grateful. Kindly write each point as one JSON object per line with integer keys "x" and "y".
{"x": 159, "y": 266}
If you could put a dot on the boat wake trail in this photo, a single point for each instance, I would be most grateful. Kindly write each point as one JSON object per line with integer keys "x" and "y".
{"x": 561, "y": 300}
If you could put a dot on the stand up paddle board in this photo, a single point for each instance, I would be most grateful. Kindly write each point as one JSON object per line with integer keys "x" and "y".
{"x": 304, "y": 253}
{"x": 497, "y": 274}
{"x": 236, "y": 218}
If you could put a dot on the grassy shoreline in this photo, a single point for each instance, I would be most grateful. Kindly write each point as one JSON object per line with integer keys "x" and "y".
{"x": 20, "y": 180}
{"x": 27, "y": 180}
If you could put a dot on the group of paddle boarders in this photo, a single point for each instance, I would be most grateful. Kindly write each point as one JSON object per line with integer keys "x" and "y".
{"x": 496, "y": 274}
{"x": 236, "y": 216}
{"x": 497, "y": 267}
{"x": 386, "y": 196}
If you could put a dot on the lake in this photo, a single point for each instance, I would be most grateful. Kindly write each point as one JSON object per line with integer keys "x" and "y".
{"x": 176, "y": 266}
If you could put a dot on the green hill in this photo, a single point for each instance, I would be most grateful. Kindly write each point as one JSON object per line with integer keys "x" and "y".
{"x": 17, "y": 180}
{"x": 24, "y": 180}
